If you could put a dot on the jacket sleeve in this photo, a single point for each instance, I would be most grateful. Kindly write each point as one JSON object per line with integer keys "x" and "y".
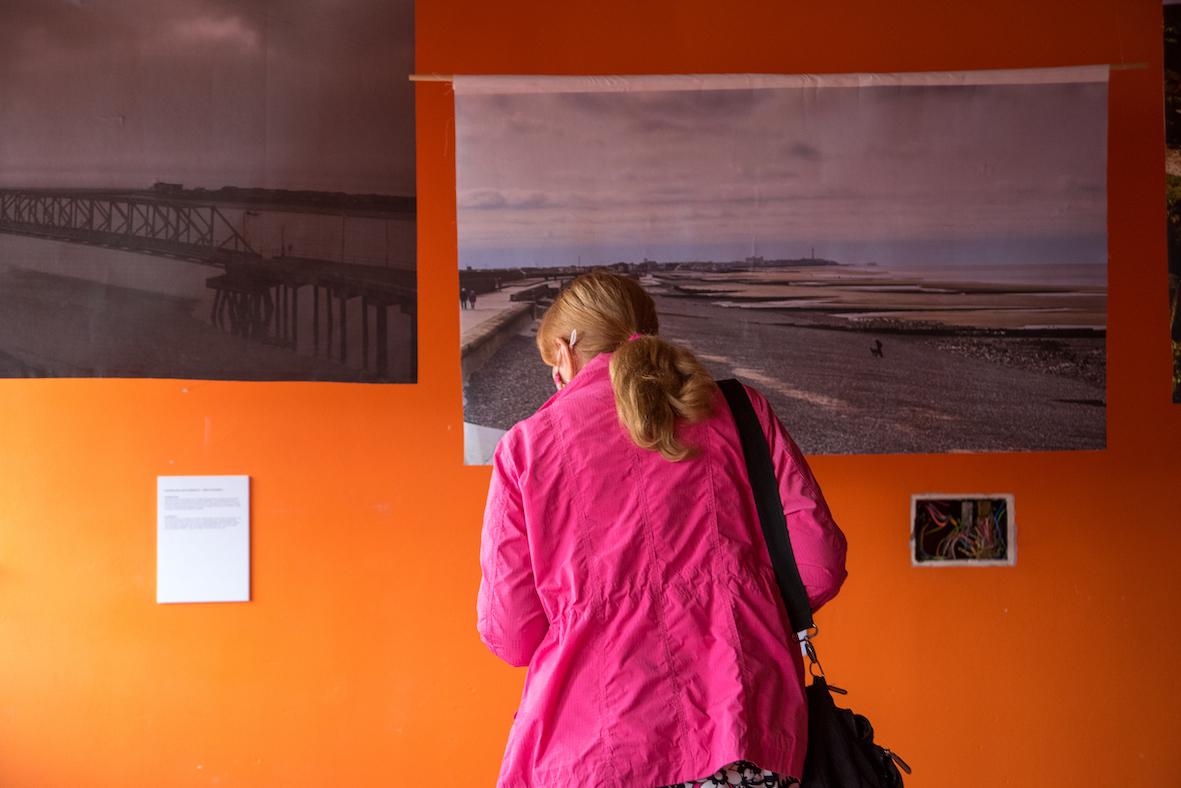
{"x": 509, "y": 614}
{"x": 818, "y": 543}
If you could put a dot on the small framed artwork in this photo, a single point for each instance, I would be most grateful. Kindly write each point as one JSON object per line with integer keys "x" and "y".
{"x": 959, "y": 529}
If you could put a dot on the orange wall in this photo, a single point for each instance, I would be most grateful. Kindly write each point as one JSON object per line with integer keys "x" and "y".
{"x": 357, "y": 660}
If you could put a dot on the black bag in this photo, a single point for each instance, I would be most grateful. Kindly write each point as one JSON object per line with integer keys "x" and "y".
{"x": 841, "y": 749}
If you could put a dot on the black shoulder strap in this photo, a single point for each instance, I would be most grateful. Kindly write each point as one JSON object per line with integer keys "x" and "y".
{"x": 761, "y": 472}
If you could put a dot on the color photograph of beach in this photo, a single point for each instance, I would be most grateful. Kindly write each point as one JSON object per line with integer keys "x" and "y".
{"x": 885, "y": 299}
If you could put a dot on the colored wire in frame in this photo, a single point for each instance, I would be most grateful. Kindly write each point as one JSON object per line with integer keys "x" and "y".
{"x": 961, "y": 530}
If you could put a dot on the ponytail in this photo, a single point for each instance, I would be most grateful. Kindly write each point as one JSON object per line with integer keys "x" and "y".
{"x": 657, "y": 383}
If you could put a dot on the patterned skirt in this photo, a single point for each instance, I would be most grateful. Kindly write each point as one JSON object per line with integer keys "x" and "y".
{"x": 740, "y": 774}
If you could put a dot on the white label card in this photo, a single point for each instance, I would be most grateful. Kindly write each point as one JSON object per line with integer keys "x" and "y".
{"x": 202, "y": 539}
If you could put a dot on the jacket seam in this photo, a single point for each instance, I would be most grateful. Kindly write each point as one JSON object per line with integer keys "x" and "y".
{"x": 495, "y": 619}
{"x": 594, "y": 598}
{"x": 740, "y": 652}
{"x": 658, "y": 604}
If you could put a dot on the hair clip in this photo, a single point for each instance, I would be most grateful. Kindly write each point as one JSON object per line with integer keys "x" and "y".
{"x": 573, "y": 336}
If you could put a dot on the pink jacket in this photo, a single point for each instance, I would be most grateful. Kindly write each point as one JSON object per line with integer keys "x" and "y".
{"x": 640, "y": 594}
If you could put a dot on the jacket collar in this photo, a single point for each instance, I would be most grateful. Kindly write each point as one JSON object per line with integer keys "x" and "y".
{"x": 596, "y": 368}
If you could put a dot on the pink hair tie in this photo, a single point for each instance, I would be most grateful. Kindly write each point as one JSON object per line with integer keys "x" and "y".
{"x": 634, "y": 337}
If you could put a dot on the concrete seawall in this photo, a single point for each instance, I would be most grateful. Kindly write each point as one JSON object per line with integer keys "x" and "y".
{"x": 480, "y": 343}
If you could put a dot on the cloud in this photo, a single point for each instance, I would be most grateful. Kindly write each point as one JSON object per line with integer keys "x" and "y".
{"x": 802, "y": 150}
{"x": 779, "y": 166}
{"x": 303, "y": 94}
{"x": 484, "y": 199}
{"x": 80, "y": 28}
{"x": 219, "y": 31}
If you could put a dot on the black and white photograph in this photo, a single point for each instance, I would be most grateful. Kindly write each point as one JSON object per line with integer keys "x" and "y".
{"x": 1172, "y": 96}
{"x": 904, "y": 263}
{"x": 210, "y": 190}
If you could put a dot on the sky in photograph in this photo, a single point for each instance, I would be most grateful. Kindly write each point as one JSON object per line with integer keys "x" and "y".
{"x": 918, "y": 175}
{"x": 293, "y": 94}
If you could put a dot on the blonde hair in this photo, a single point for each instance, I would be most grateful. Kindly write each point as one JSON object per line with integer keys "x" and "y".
{"x": 655, "y": 382}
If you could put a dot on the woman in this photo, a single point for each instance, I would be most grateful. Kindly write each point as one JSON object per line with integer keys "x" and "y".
{"x": 623, "y": 562}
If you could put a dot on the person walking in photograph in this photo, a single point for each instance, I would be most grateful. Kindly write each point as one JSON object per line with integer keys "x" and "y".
{"x": 624, "y": 564}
